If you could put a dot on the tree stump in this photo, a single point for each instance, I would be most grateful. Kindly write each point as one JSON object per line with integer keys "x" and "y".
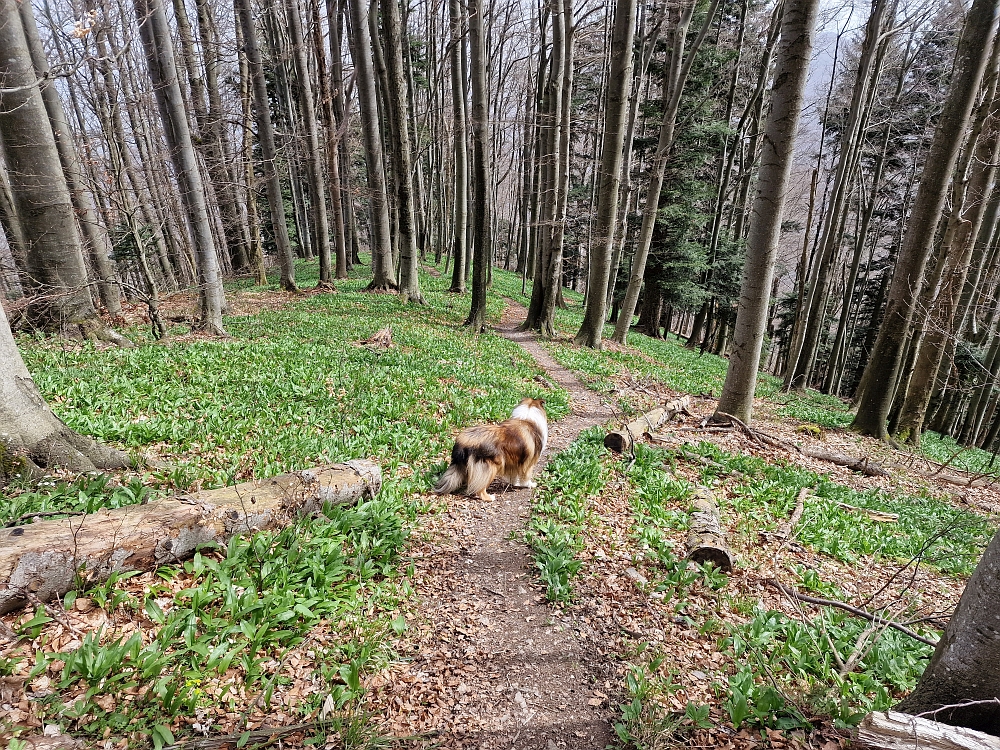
{"x": 706, "y": 540}
{"x": 49, "y": 558}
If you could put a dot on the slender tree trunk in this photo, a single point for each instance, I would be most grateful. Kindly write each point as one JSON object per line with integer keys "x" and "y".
{"x": 95, "y": 236}
{"x": 460, "y": 249}
{"x": 884, "y": 365}
{"x": 268, "y": 151}
{"x": 677, "y": 77}
{"x": 383, "y": 272}
{"x": 402, "y": 154}
{"x": 314, "y": 155}
{"x": 162, "y": 71}
{"x": 482, "y": 235}
{"x": 616, "y": 110}
{"x": 765, "y": 227}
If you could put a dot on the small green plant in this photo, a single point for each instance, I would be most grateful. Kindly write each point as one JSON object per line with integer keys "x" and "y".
{"x": 560, "y": 508}
{"x": 646, "y": 722}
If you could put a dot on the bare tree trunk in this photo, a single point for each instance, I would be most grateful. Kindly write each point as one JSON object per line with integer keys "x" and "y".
{"x": 314, "y": 151}
{"x": 162, "y": 71}
{"x": 965, "y": 667}
{"x": 609, "y": 179}
{"x": 680, "y": 67}
{"x": 883, "y": 366}
{"x": 402, "y": 154}
{"x": 96, "y": 238}
{"x": 962, "y": 226}
{"x": 482, "y": 210}
{"x": 460, "y": 249}
{"x": 383, "y": 273}
{"x": 765, "y": 227}
{"x": 41, "y": 198}
{"x": 268, "y": 152}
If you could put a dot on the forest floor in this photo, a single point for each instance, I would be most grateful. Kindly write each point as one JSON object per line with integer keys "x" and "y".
{"x": 566, "y": 617}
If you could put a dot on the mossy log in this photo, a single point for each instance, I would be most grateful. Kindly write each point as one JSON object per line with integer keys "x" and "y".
{"x": 706, "y": 542}
{"x": 49, "y": 558}
{"x": 897, "y": 731}
{"x": 621, "y": 440}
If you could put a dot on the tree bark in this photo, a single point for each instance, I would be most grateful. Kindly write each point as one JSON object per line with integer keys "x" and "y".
{"x": 883, "y": 366}
{"x": 460, "y": 249}
{"x": 765, "y": 226}
{"x": 32, "y": 438}
{"x": 383, "y": 272}
{"x": 676, "y": 77}
{"x": 482, "y": 231}
{"x": 402, "y": 153}
{"x": 609, "y": 179}
{"x": 94, "y": 234}
{"x": 159, "y": 50}
{"x": 54, "y": 261}
{"x": 314, "y": 151}
{"x": 966, "y": 663}
{"x": 48, "y": 558}
{"x": 268, "y": 151}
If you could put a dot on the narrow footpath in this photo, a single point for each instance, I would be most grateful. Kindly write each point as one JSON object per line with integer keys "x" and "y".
{"x": 495, "y": 666}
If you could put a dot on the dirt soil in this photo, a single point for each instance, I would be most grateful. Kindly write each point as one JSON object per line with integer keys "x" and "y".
{"x": 495, "y": 666}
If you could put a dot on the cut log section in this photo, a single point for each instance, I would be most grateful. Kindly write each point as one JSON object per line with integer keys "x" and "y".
{"x": 706, "y": 540}
{"x": 897, "y": 731}
{"x": 622, "y": 440}
{"x": 49, "y": 558}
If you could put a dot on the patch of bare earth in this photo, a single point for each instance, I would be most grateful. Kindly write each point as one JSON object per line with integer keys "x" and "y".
{"x": 489, "y": 664}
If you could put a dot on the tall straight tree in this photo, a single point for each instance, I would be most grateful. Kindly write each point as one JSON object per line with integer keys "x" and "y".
{"x": 40, "y": 196}
{"x": 398, "y": 100}
{"x": 96, "y": 237}
{"x": 676, "y": 73}
{"x": 159, "y": 50}
{"x": 268, "y": 151}
{"x": 482, "y": 236}
{"x": 609, "y": 178}
{"x": 799, "y": 18}
{"x": 883, "y": 367}
{"x": 383, "y": 273}
{"x": 314, "y": 151}
{"x": 460, "y": 248}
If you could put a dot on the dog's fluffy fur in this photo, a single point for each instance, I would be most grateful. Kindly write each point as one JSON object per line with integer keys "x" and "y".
{"x": 509, "y": 450}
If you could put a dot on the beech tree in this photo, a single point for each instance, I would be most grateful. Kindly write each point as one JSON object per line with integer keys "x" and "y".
{"x": 163, "y": 72}
{"x": 884, "y": 364}
{"x": 798, "y": 20}
{"x": 40, "y": 197}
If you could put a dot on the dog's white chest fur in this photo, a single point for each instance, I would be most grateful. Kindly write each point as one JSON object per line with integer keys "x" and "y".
{"x": 534, "y": 415}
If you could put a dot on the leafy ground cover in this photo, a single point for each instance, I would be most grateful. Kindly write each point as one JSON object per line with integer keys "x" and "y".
{"x": 285, "y": 624}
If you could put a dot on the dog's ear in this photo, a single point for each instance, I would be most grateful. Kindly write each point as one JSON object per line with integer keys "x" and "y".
{"x": 541, "y": 401}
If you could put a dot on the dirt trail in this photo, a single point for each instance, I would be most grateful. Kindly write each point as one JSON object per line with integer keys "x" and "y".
{"x": 499, "y": 667}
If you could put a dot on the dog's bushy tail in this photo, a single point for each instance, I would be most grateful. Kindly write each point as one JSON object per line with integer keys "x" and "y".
{"x": 452, "y": 480}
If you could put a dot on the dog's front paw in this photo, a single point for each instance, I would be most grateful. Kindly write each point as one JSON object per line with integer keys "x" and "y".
{"x": 530, "y": 485}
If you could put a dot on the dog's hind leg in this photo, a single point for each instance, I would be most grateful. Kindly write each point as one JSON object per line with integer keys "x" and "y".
{"x": 479, "y": 475}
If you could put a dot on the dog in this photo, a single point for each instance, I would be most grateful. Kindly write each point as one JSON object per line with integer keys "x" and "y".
{"x": 509, "y": 450}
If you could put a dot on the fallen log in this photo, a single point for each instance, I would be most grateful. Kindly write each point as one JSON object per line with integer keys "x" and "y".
{"x": 896, "y": 731}
{"x": 46, "y": 559}
{"x": 622, "y": 440}
{"x": 861, "y": 465}
{"x": 875, "y": 515}
{"x": 706, "y": 541}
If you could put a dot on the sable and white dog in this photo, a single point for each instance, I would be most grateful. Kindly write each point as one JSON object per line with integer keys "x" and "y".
{"x": 509, "y": 450}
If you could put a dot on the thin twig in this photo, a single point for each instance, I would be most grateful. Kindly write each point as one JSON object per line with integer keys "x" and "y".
{"x": 43, "y": 514}
{"x": 878, "y": 619}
